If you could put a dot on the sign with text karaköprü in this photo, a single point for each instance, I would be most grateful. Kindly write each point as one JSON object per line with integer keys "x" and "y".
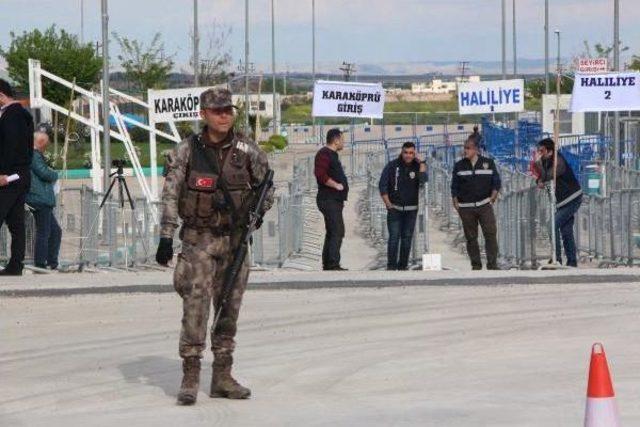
{"x": 606, "y": 92}
{"x": 175, "y": 105}
{"x": 497, "y": 96}
{"x": 348, "y": 99}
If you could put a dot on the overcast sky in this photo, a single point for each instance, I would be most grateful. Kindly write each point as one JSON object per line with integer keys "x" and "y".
{"x": 361, "y": 31}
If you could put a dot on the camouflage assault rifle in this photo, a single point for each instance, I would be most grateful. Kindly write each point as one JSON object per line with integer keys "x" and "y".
{"x": 252, "y": 221}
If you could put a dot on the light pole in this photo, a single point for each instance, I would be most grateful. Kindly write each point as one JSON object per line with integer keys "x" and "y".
{"x": 616, "y": 67}
{"x": 504, "y": 39}
{"x": 515, "y": 48}
{"x": 556, "y": 137}
{"x": 106, "y": 135}
{"x": 546, "y": 46}
{"x": 247, "y": 106}
{"x": 273, "y": 65}
{"x": 81, "y": 21}
{"x": 196, "y": 54}
{"x": 313, "y": 58}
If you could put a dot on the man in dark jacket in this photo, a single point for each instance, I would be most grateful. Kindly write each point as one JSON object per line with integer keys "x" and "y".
{"x": 16, "y": 151}
{"x": 399, "y": 187}
{"x": 568, "y": 198}
{"x": 333, "y": 190}
{"x": 475, "y": 185}
{"x": 42, "y": 199}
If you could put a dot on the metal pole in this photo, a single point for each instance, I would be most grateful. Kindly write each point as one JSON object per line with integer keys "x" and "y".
{"x": 515, "y": 51}
{"x": 616, "y": 67}
{"x": 106, "y": 137}
{"x": 504, "y": 39}
{"x": 273, "y": 65}
{"x": 313, "y": 58}
{"x": 196, "y": 54}
{"x": 556, "y": 136}
{"x": 81, "y": 21}
{"x": 546, "y": 46}
{"x": 247, "y": 105}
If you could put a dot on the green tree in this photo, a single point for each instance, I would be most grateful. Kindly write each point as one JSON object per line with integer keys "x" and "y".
{"x": 602, "y": 51}
{"x": 635, "y": 63}
{"x": 145, "y": 66}
{"x": 535, "y": 88}
{"x": 59, "y": 53}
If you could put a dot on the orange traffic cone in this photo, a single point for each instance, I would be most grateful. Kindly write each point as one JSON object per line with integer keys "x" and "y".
{"x": 601, "y": 404}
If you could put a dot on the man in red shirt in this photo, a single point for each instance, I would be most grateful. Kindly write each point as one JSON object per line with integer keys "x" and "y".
{"x": 333, "y": 190}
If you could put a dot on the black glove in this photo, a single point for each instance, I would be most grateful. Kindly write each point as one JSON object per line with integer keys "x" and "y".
{"x": 259, "y": 223}
{"x": 165, "y": 251}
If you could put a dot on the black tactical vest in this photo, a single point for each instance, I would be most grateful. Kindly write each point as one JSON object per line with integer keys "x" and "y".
{"x": 202, "y": 203}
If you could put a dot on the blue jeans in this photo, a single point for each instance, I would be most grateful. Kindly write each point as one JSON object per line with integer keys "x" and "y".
{"x": 48, "y": 237}
{"x": 565, "y": 218}
{"x": 400, "y": 225}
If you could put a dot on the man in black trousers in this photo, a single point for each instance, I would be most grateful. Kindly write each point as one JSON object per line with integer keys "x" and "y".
{"x": 333, "y": 190}
{"x": 399, "y": 186}
{"x": 16, "y": 151}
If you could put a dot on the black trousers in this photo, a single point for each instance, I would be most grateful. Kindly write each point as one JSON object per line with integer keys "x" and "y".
{"x": 334, "y": 225}
{"x": 12, "y": 213}
{"x": 484, "y": 216}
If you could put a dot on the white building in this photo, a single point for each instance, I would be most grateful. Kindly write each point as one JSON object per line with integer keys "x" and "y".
{"x": 570, "y": 123}
{"x": 262, "y": 104}
{"x": 440, "y": 86}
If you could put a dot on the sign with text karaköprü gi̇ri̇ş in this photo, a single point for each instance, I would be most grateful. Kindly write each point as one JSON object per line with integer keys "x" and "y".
{"x": 606, "y": 92}
{"x": 498, "y": 96}
{"x": 348, "y": 99}
{"x": 175, "y": 105}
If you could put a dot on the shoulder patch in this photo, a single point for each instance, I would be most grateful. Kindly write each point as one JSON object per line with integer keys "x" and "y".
{"x": 242, "y": 146}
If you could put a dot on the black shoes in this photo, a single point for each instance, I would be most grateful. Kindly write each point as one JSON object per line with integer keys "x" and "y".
{"x": 11, "y": 270}
{"x": 335, "y": 268}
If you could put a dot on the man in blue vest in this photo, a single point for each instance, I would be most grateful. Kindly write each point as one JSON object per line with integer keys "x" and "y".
{"x": 568, "y": 198}
{"x": 399, "y": 186}
{"x": 475, "y": 185}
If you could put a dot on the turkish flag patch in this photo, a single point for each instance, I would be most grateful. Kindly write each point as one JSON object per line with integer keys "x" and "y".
{"x": 205, "y": 182}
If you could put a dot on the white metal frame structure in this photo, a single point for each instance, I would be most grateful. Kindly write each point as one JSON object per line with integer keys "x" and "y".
{"x": 94, "y": 100}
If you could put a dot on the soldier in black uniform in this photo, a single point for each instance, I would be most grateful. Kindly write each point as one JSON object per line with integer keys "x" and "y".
{"x": 474, "y": 188}
{"x": 400, "y": 191}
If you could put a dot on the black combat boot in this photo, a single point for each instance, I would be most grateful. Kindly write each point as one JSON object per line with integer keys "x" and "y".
{"x": 223, "y": 384}
{"x": 12, "y": 269}
{"x": 190, "y": 381}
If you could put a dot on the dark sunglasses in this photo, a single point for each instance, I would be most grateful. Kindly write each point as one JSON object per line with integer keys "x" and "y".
{"x": 221, "y": 111}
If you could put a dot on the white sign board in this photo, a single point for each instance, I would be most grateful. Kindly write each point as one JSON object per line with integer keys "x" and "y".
{"x": 606, "y": 92}
{"x": 175, "y": 105}
{"x": 592, "y": 65}
{"x": 498, "y": 96}
{"x": 348, "y": 99}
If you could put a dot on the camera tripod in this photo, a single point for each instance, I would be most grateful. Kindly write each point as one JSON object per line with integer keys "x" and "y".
{"x": 123, "y": 188}
{"x": 118, "y": 176}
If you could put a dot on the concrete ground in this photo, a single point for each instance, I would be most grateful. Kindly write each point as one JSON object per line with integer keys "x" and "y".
{"x": 370, "y": 348}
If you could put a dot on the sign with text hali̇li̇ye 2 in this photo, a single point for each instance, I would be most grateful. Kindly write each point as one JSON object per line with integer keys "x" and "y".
{"x": 348, "y": 99}
{"x": 606, "y": 92}
{"x": 498, "y": 96}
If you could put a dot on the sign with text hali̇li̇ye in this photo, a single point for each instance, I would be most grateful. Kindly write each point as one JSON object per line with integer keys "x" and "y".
{"x": 498, "y": 96}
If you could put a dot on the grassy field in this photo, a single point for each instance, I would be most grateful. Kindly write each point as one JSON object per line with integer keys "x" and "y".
{"x": 76, "y": 154}
{"x": 396, "y": 113}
